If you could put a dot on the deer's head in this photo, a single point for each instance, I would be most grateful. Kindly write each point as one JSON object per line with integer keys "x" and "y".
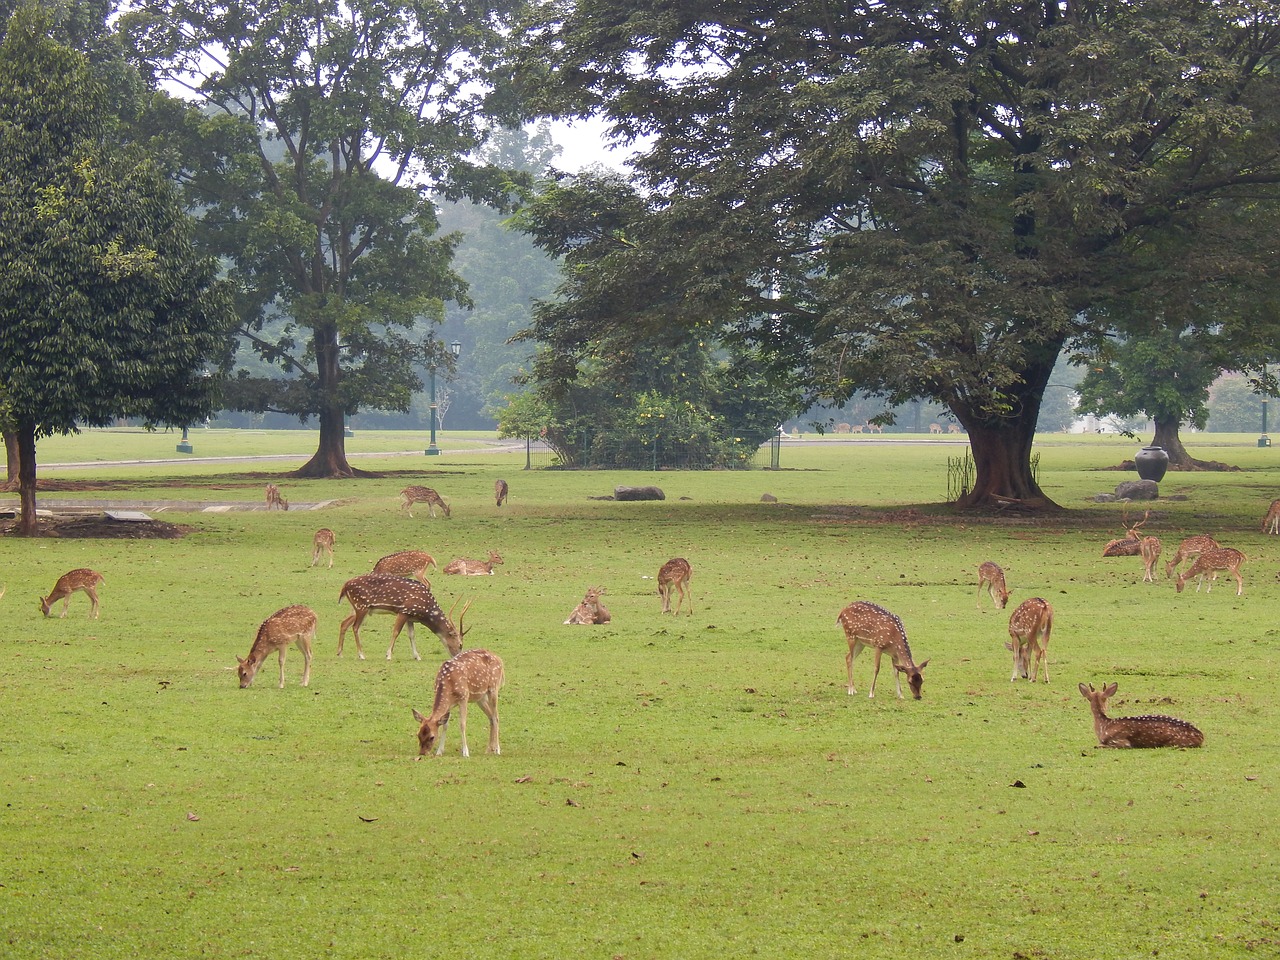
{"x": 915, "y": 677}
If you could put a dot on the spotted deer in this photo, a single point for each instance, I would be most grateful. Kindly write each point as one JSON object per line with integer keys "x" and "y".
{"x": 1189, "y": 549}
{"x": 1029, "y": 630}
{"x": 1210, "y": 564}
{"x": 407, "y": 563}
{"x": 935, "y": 428}
{"x": 473, "y": 568}
{"x": 590, "y": 610}
{"x": 414, "y": 494}
{"x": 954, "y": 428}
{"x": 500, "y": 491}
{"x": 1149, "y": 548}
{"x": 409, "y": 600}
{"x": 82, "y": 579}
{"x": 1271, "y": 522}
{"x": 1131, "y": 544}
{"x": 992, "y": 577}
{"x": 870, "y": 625}
{"x": 1147, "y": 731}
{"x": 323, "y": 542}
{"x": 274, "y": 500}
{"x": 295, "y": 624}
{"x": 473, "y": 676}
{"x": 675, "y": 574}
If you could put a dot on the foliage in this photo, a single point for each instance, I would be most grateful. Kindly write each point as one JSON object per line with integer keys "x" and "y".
{"x": 1235, "y": 406}
{"x": 1164, "y": 375}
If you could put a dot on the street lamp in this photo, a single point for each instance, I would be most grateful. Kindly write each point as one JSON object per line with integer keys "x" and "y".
{"x": 1264, "y": 440}
{"x": 432, "y": 450}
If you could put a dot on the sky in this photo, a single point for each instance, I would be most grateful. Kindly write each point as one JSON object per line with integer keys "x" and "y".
{"x": 584, "y": 144}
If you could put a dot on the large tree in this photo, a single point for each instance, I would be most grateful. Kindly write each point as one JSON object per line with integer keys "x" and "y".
{"x": 329, "y": 130}
{"x": 105, "y": 308}
{"x": 921, "y": 199}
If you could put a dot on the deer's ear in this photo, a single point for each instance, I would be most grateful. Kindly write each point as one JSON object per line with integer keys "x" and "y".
{"x": 419, "y": 717}
{"x": 1110, "y": 689}
{"x": 1008, "y": 644}
{"x": 241, "y": 662}
{"x": 921, "y": 666}
{"x": 1084, "y": 691}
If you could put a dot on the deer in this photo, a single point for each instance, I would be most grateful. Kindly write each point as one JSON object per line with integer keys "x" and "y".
{"x": 407, "y": 563}
{"x": 870, "y": 625}
{"x": 590, "y": 610}
{"x": 295, "y": 624}
{"x": 1271, "y": 522}
{"x": 1148, "y": 731}
{"x": 1131, "y": 544}
{"x": 1188, "y": 549}
{"x": 675, "y": 574}
{"x": 473, "y": 568}
{"x": 1029, "y": 630}
{"x": 414, "y": 494}
{"x": 500, "y": 491}
{"x": 473, "y": 676}
{"x": 322, "y": 542}
{"x": 954, "y": 428}
{"x": 992, "y": 577}
{"x": 274, "y": 500}
{"x": 1211, "y": 563}
{"x": 935, "y": 428}
{"x": 71, "y": 581}
{"x": 1149, "y": 548}
{"x": 409, "y": 600}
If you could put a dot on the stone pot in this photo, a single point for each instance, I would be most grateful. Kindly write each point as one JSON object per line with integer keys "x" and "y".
{"x": 1152, "y": 462}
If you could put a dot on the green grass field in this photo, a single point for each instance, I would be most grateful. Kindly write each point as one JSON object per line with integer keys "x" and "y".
{"x": 669, "y": 787}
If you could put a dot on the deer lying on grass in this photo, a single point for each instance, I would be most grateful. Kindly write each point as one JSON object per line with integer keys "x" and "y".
{"x": 473, "y": 568}
{"x": 1188, "y": 549}
{"x": 500, "y": 491}
{"x": 407, "y": 563}
{"x": 1148, "y": 731}
{"x": 1131, "y": 544}
{"x": 1149, "y": 548}
{"x": 590, "y": 610}
{"x": 414, "y": 494}
{"x": 471, "y": 676}
{"x": 274, "y": 500}
{"x": 409, "y": 600}
{"x": 992, "y": 577}
{"x": 1271, "y": 522}
{"x": 295, "y": 624}
{"x": 71, "y": 581}
{"x": 323, "y": 542}
{"x": 1029, "y": 630}
{"x": 1210, "y": 563}
{"x": 870, "y": 625}
{"x": 675, "y": 574}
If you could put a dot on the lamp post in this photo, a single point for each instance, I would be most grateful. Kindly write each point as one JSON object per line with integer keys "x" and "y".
{"x": 1264, "y": 440}
{"x": 432, "y": 450}
{"x": 185, "y": 445}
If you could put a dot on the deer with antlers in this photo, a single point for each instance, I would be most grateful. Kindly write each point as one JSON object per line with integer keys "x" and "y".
{"x": 473, "y": 676}
{"x": 323, "y": 542}
{"x": 409, "y": 600}
{"x": 1147, "y": 731}
{"x": 992, "y": 577}
{"x": 1029, "y": 630}
{"x": 1210, "y": 564}
{"x": 474, "y": 568}
{"x": 83, "y": 579}
{"x": 295, "y": 624}
{"x": 1130, "y": 545}
{"x": 870, "y": 625}
{"x": 675, "y": 575}
{"x": 590, "y": 611}
{"x": 500, "y": 491}
{"x": 274, "y": 500}
{"x": 407, "y": 563}
{"x": 1189, "y": 549}
{"x": 415, "y": 494}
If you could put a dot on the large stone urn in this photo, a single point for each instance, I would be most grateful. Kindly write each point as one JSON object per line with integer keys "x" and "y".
{"x": 1152, "y": 462}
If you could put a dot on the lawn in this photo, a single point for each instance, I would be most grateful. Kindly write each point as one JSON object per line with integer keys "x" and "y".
{"x": 669, "y": 787}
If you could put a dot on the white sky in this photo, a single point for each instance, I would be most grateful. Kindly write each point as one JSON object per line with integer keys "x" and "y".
{"x": 584, "y": 143}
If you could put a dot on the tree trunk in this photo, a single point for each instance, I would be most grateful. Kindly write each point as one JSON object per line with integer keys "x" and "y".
{"x": 1167, "y": 436}
{"x": 11, "y": 455}
{"x": 25, "y": 441}
{"x": 330, "y": 458}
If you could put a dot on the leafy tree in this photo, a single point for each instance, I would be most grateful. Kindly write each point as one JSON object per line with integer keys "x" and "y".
{"x": 1235, "y": 406}
{"x": 917, "y": 200}
{"x": 105, "y": 308}
{"x": 329, "y": 131}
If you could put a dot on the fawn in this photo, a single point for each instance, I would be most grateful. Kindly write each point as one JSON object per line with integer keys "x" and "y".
{"x": 1188, "y": 549}
{"x": 1211, "y": 562}
{"x": 1029, "y": 630}
{"x": 295, "y": 624}
{"x": 473, "y": 568}
{"x": 590, "y": 610}
{"x": 1149, "y": 731}
{"x": 414, "y": 494}
{"x": 322, "y": 542}
{"x": 870, "y": 625}
{"x": 471, "y": 676}
{"x": 407, "y": 563}
{"x": 409, "y": 600}
{"x": 675, "y": 573}
{"x": 992, "y": 577}
{"x": 274, "y": 500}
{"x": 81, "y": 579}
{"x": 500, "y": 491}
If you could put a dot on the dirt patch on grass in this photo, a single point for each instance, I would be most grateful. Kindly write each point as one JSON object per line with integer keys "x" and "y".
{"x": 103, "y": 528}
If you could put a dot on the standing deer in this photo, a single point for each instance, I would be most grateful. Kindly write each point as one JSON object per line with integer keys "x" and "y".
{"x": 935, "y": 428}
{"x": 409, "y": 600}
{"x": 992, "y": 577}
{"x": 473, "y": 568}
{"x": 675, "y": 573}
{"x": 295, "y": 624}
{"x": 1029, "y": 630}
{"x": 590, "y": 610}
{"x": 1271, "y": 522}
{"x": 1149, "y": 547}
{"x": 1131, "y": 544}
{"x": 323, "y": 542}
{"x": 1189, "y": 548}
{"x": 471, "y": 676}
{"x": 1210, "y": 563}
{"x": 81, "y": 579}
{"x": 407, "y": 563}
{"x": 1149, "y": 731}
{"x": 414, "y": 494}
{"x": 274, "y": 500}
{"x": 954, "y": 428}
{"x": 869, "y": 625}
{"x": 500, "y": 491}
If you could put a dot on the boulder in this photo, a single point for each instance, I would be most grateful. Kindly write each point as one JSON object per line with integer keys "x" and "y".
{"x": 1138, "y": 490}
{"x": 638, "y": 493}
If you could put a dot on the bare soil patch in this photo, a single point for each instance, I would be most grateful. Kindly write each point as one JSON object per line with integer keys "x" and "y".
{"x": 103, "y": 528}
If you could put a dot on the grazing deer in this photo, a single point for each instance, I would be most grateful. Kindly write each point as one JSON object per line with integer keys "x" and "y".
{"x": 874, "y": 428}
{"x": 407, "y": 563}
{"x": 992, "y": 577}
{"x": 1149, "y": 731}
{"x": 409, "y": 600}
{"x": 675, "y": 573}
{"x": 414, "y": 494}
{"x": 590, "y": 610}
{"x": 500, "y": 491}
{"x": 954, "y": 428}
{"x": 1029, "y": 630}
{"x": 295, "y": 624}
{"x": 869, "y": 625}
{"x": 81, "y": 579}
{"x": 274, "y": 500}
{"x": 935, "y": 428}
{"x": 1271, "y": 522}
{"x": 1210, "y": 563}
{"x": 471, "y": 676}
{"x": 322, "y": 542}
{"x": 1149, "y": 548}
{"x": 1188, "y": 549}
{"x": 473, "y": 568}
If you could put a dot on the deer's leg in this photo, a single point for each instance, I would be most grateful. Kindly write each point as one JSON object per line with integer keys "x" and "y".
{"x": 440, "y": 732}
{"x": 689, "y": 593}
{"x": 356, "y": 620}
{"x": 304, "y": 644}
{"x": 342, "y": 631}
{"x": 462, "y": 725}
{"x": 489, "y": 704}
{"x": 1239, "y": 582}
{"x": 855, "y": 648}
{"x": 395, "y": 632}
{"x": 412, "y": 643}
{"x": 284, "y": 649}
{"x": 93, "y": 599}
{"x": 875, "y": 672}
